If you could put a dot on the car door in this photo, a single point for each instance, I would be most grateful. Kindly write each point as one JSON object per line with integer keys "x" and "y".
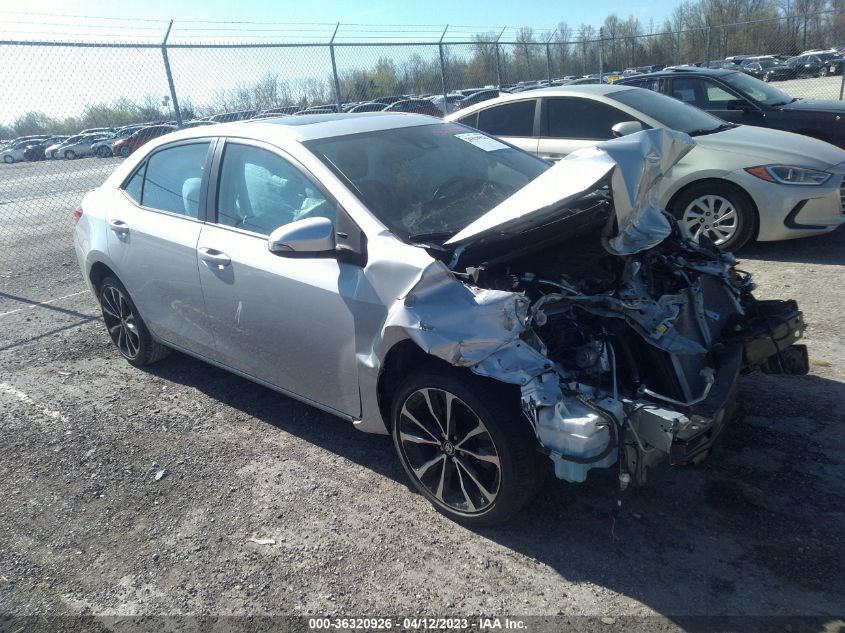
{"x": 286, "y": 321}
{"x": 154, "y": 224}
{"x": 570, "y": 123}
{"x": 514, "y": 122}
{"x": 717, "y": 99}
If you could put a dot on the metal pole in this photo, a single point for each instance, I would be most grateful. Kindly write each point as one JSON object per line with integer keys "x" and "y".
{"x": 549, "y": 56}
{"x": 709, "y": 56}
{"x": 443, "y": 72}
{"x": 601, "y": 55}
{"x": 334, "y": 71}
{"x": 498, "y": 62}
{"x": 173, "y": 98}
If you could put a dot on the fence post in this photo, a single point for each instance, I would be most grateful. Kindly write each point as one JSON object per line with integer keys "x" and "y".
{"x": 601, "y": 55}
{"x": 334, "y": 71}
{"x": 443, "y": 70}
{"x": 499, "y": 64}
{"x": 549, "y": 56}
{"x": 173, "y": 98}
{"x": 709, "y": 56}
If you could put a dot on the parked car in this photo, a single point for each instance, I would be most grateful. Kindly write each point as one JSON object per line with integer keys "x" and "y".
{"x": 419, "y": 283}
{"x": 817, "y": 64}
{"x": 583, "y": 81}
{"x": 81, "y": 147}
{"x": 477, "y": 97}
{"x": 768, "y": 70}
{"x": 51, "y": 152}
{"x": 37, "y": 151}
{"x": 736, "y": 97}
{"x": 738, "y": 183}
{"x": 369, "y": 107}
{"x": 447, "y": 104}
{"x": 415, "y": 106}
{"x": 16, "y": 150}
{"x": 98, "y": 130}
{"x": 196, "y": 123}
{"x": 103, "y": 148}
{"x": 227, "y": 117}
{"x": 124, "y": 147}
{"x": 291, "y": 109}
{"x": 390, "y": 99}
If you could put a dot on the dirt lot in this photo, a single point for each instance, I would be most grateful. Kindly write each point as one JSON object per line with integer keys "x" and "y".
{"x": 130, "y": 492}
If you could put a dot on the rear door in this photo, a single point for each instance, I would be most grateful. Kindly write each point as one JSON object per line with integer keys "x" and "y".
{"x": 570, "y": 123}
{"x": 286, "y": 321}
{"x": 515, "y": 122}
{"x": 154, "y": 224}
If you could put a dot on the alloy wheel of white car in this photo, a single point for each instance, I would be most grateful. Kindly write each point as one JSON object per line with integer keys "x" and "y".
{"x": 711, "y": 215}
{"x": 8, "y": 159}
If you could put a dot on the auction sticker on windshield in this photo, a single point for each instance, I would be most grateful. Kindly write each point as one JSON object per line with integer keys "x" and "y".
{"x": 480, "y": 140}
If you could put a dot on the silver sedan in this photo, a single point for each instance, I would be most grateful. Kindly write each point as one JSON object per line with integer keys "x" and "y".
{"x": 499, "y": 317}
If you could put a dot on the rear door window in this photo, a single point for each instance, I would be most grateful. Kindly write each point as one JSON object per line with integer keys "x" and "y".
{"x": 509, "y": 119}
{"x": 173, "y": 179}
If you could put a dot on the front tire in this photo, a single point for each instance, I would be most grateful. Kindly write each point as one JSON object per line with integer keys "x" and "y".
{"x": 125, "y": 151}
{"x": 823, "y": 72}
{"x": 465, "y": 444}
{"x": 8, "y": 160}
{"x": 103, "y": 152}
{"x": 125, "y": 326}
{"x": 723, "y": 213}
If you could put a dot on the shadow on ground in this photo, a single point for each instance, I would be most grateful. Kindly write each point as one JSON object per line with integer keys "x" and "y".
{"x": 756, "y": 530}
{"x": 822, "y": 249}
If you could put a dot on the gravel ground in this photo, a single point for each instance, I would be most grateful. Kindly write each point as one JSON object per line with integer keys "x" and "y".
{"x": 134, "y": 492}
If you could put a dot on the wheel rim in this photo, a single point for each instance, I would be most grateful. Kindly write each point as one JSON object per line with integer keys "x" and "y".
{"x": 449, "y": 451}
{"x": 120, "y": 322}
{"x": 8, "y": 159}
{"x": 713, "y": 216}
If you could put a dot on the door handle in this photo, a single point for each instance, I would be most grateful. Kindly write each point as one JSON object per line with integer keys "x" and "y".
{"x": 213, "y": 256}
{"x": 119, "y": 226}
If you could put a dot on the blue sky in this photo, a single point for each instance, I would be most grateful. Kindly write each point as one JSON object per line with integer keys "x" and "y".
{"x": 61, "y": 81}
{"x": 489, "y": 14}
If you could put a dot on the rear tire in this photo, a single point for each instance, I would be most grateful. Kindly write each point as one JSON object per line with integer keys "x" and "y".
{"x": 479, "y": 465}
{"x": 103, "y": 152}
{"x": 823, "y": 72}
{"x": 125, "y": 326}
{"x": 70, "y": 154}
{"x": 722, "y": 212}
{"x": 125, "y": 151}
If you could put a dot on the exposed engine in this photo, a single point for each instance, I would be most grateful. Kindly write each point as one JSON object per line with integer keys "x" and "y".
{"x": 645, "y": 348}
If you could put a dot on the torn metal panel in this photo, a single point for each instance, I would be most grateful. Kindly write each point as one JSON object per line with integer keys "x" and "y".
{"x": 637, "y": 163}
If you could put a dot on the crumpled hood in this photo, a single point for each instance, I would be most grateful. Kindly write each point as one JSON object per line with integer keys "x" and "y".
{"x": 771, "y": 147}
{"x": 636, "y": 163}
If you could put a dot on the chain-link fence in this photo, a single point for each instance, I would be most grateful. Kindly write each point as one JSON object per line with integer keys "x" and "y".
{"x": 65, "y": 104}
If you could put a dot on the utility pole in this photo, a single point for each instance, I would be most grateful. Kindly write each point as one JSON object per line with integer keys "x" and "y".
{"x": 334, "y": 71}
{"x": 443, "y": 70}
{"x": 601, "y": 55}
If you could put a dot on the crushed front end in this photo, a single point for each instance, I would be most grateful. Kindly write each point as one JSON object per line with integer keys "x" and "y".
{"x": 627, "y": 339}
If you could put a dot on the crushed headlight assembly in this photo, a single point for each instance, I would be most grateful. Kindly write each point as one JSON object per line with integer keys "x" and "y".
{"x": 788, "y": 175}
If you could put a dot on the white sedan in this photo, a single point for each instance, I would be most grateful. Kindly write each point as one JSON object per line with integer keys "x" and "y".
{"x": 738, "y": 184}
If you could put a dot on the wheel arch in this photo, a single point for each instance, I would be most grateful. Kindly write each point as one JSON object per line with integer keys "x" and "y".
{"x": 722, "y": 182}
{"x": 98, "y": 272}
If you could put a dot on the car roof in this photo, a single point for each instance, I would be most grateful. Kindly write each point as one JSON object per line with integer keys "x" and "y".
{"x": 679, "y": 70}
{"x": 311, "y": 126}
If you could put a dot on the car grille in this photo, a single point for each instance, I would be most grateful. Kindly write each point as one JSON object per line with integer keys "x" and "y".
{"x": 842, "y": 199}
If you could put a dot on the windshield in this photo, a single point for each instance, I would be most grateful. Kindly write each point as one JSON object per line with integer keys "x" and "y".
{"x": 428, "y": 182}
{"x": 757, "y": 90}
{"x": 669, "y": 112}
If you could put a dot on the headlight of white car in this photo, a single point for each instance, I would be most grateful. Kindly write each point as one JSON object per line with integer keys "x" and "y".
{"x": 787, "y": 175}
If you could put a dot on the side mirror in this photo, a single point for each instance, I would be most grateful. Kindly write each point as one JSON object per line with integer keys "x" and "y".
{"x": 738, "y": 104}
{"x": 626, "y": 127}
{"x": 311, "y": 236}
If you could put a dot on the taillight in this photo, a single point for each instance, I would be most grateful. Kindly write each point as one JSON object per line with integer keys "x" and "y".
{"x": 77, "y": 214}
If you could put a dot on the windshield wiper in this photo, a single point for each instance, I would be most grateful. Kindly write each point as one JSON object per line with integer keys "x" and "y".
{"x": 431, "y": 239}
{"x": 711, "y": 130}
{"x": 777, "y": 105}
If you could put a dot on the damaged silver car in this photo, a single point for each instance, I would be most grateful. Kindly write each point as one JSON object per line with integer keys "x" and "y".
{"x": 500, "y": 317}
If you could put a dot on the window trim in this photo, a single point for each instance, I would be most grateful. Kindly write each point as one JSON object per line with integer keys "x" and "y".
{"x": 212, "y": 141}
{"x": 534, "y": 126}
{"x": 720, "y": 84}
